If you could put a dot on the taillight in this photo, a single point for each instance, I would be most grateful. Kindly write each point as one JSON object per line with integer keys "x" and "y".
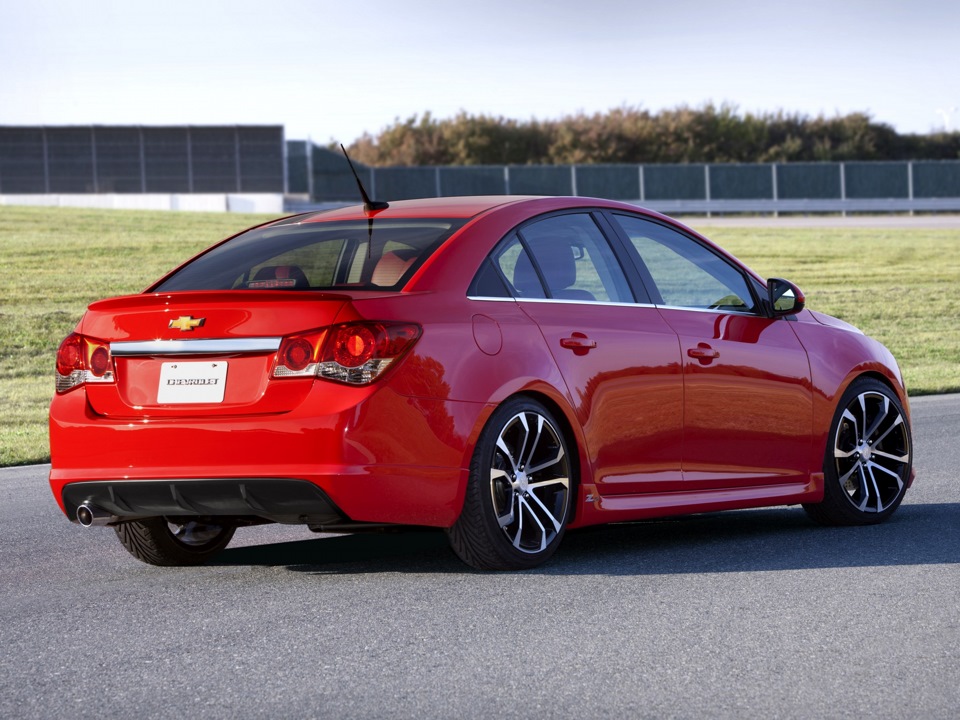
{"x": 353, "y": 345}
{"x": 355, "y": 353}
{"x": 298, "y": 355}
{"x": 358, "y": 353}
{"x": 82, "y": 359}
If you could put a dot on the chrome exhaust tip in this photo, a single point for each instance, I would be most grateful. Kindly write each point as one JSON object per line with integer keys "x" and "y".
{"x": 90, "y": 515}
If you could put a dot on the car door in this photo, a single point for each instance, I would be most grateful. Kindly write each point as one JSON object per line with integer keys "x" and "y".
{"x": 619, "y": 358}
{"x": 748, "y": 407}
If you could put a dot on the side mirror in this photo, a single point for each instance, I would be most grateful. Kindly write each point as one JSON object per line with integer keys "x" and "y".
{"x": 784, "y": 297}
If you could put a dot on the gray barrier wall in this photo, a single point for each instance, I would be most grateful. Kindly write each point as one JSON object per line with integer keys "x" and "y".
{"x": 112, "y": 159}
{"x": 763, "y": 187}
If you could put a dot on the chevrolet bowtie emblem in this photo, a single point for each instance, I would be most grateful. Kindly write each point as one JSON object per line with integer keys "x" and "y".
{"x": 186, "y": 323}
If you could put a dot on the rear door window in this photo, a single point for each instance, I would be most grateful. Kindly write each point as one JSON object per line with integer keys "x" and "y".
{"x": 561, "y": 257}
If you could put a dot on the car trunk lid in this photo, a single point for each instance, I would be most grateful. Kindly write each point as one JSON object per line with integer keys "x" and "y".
{"x": 203, "y": 353}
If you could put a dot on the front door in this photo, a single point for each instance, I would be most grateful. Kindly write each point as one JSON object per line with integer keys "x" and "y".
{"x": 748, "y": 407}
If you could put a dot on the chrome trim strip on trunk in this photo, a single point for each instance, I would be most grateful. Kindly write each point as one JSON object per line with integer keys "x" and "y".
{"x": 195, "y": 347}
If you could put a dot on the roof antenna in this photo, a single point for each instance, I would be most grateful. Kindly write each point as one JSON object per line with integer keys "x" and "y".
{"x": 368, "y": 204}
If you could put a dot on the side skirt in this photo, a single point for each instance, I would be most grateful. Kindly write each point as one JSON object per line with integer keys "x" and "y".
{"x": 595, "y": 509}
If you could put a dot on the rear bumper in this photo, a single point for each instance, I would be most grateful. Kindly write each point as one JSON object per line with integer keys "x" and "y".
{"x": 389, "y": 459}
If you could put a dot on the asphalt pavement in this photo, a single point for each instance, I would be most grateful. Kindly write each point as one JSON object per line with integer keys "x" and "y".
{"x": 750, "y": 614}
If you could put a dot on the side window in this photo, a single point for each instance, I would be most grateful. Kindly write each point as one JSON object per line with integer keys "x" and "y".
{"x": 686, "y": 273}
{"x": 574, "y": 259}
{"x": 514, "y": 262}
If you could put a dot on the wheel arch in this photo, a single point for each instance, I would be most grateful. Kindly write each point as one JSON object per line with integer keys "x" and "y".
{"x": 567, "y": 425}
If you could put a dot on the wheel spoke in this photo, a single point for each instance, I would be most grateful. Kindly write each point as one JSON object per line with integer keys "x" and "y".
{"x": 500, "y": 481}
{"x": 896, "y": 458}
{"x": 507, "y": 519}
{"x": 896, "y": 423}
{"x": 888, "y": 471}
{"x": 846, "y": 475}
{"x": 506, "y": 452}
{"x": 535, "y": 442}
{"x": 876, "y": 489}
{"x": 864, "y": 492}
{"x": 543, "y": 508}
{"x": 562, "y": 481}
{"x": 877, "y": 421}
{"x": 524, "y": 505}
{"x": 862, "y": 398}
{"x": 547, "y": 463}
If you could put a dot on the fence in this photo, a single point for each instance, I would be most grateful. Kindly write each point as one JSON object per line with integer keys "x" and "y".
{"x": 105, "y": 159}
{"x": 768, "y": 187}
{"x": 58, "y": 161}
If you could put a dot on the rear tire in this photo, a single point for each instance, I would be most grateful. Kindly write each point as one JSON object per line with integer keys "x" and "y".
{"x": 868, "y": 458}
{"x": 159, "y": 541}
{"x": 519, "y": 494}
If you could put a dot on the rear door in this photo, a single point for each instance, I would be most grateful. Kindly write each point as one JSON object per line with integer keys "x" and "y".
{"x": 748, "y": 408}
{"x": 619, "y": 358}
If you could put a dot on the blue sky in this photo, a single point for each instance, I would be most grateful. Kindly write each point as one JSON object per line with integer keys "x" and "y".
{"x": 333, "y": 70}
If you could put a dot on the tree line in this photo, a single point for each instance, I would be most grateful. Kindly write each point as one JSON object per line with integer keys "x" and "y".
{"x": 708, "y": 134}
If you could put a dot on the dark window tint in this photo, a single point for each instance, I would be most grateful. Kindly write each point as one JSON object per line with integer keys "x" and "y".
{"x": 564, "y": 257}
{"x": 513, "y": 261}
{"x": 575, "y": 260}
{"x": 316, "y": 256}
{"x": 686, "y": 273}
{"x": 488, "y": 282}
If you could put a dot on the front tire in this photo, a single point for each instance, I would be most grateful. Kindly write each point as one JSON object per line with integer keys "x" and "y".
{"x": 519, "y": 494}
{"x": 172, "y": 542}
{"x": 868, "y": 458}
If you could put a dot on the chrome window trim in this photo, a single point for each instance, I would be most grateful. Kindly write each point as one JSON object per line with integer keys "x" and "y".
{"x": 557, "y": 301}
{"x": 195, "y": 347}
{"x": 490, "y": 299}
{"x": 715, "y": 311}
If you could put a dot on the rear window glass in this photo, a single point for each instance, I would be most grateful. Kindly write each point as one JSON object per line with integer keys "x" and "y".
{"x": 354, "y": 255}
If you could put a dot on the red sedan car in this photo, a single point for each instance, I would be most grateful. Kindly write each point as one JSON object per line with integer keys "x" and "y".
{"x": 504, "y": 368}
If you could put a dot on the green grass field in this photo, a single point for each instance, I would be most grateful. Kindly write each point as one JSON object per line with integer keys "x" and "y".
{"x": 900, "y": 286}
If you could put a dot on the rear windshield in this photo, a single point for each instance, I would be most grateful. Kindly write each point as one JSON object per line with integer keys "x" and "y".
{"x": 355, "y": 255}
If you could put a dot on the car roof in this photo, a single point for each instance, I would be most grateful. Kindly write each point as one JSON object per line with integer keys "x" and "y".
{"x": 460, "y": 207}
{"x": 446, "y": 207}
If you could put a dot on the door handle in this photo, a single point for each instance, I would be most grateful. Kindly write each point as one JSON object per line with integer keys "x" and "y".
{"x": 578, "y": 342}
{"x": 703, "y": 352}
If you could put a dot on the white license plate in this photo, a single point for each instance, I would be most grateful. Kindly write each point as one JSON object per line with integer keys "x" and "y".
{"x": 192, "y": 382}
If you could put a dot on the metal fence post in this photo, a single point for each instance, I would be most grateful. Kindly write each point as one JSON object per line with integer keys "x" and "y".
{"x": 46, "y": 162}
{"x": 143, "y": 161}
{"x": 643, "y": 191}
{"x": 706, "y": 183}
{"x": 843, "y": 189}
{"x": 236, "y": 156}
{"x": 436, "y": 179}
{"x": 573, "y": 180}
{"x": 506, "y": 179}
{"x": 93, "y": 157}
{"x": 310, "y": 167}
{"x": 910, "y": 184}
{"x": 286, "y": 165}
{"x": 773, "y": 173}
{"x": 189, "y": 161}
